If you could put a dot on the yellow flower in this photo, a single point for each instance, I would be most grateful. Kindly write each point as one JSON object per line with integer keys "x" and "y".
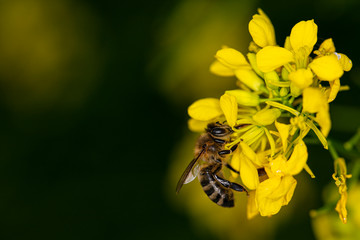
{"x": 302, "y": 39}
{"x": 278, "y": 190}
{"x": 262, "y": 30}
{"x": 327, "y": 48}
{"x": 273, "y": 193}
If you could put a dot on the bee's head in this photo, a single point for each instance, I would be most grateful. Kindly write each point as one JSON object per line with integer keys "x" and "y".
{"x": 219, "y": 130}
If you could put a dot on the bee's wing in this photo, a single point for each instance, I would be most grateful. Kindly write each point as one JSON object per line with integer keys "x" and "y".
{"x": 190, "y": 172}
{"x": 193, "y": 173}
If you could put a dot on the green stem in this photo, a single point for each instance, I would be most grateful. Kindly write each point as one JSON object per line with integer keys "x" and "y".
{"x": 271, "y": 99}
{"x": 332, "y": 150}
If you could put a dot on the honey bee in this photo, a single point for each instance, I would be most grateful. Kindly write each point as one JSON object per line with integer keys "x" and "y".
{"x": 207, "y": 165}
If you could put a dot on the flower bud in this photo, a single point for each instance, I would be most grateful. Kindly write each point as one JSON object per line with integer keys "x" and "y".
{"x": 262, "y": 30}
{"x": 249, "y": 78}
{"x": 231, "y": 58}
{"x": 245, "y": 98}
{"x": 267, "y": 116}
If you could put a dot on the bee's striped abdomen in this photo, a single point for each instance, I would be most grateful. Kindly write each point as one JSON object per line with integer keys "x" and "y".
{"x": 215, "y": 191}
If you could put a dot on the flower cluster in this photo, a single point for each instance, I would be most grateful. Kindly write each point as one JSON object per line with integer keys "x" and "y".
{"x": 283, "y": 93}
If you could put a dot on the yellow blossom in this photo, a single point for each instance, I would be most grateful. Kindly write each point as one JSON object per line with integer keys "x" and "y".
{"x": 278, "y": 190}
{"x": 262, "y": 30}
{"x": 273, "y": 193}
{"x": 327, "y": 47}
{"x": 302, "y": 39}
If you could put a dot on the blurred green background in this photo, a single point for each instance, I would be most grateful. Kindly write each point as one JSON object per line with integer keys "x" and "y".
{"x": 93, "y": 98}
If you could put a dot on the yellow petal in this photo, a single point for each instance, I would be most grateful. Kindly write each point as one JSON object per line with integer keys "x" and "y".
{"x": 250, "y": 154}
{"x": 262, "y": 30}
{"x": 231, "y": 58}
{"x": 334, "y": 89}
{"x": 302, "y": 78}
{"x": 324, "y": 121}
{"x": 252, "y": 59}
{"x": 220, "y": 69}
{"x": 288, "y": 183}
{"x": 284, "y": 130}
{"x": 345, "y": 61}
{"x": 229, "y": 107}
{"x": 235, "y": 163}
{"x": 327, "y": 68}
{"x": 252, "y": 210}
{"x": 205, "y": 109}
{"x": 341, "y": 207}
{"x": 266, "y": 204}
{"x": 197, "y": 125}
{"x": 245, "y": 98}
{"x": 279, "y": 166}
{"x": 298, "y": 159}
{"x": 326, "y": 47}
{"x": 249, "y": 78}
{"x": 266, "y": 116}
{"x": 304, "y": 34}
{"x": 287, "y": 44}
{"x": 271, "y": 57}
{"x": 314, "y": 100}
{"x": 248, "y": 172}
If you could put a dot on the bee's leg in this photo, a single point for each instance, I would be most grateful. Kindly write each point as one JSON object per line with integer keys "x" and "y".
{"x": 222, "y": 153}
{"x": 231, "y": 168}
{"x": 226, "y": 152}
{"x": 232, "y": 185}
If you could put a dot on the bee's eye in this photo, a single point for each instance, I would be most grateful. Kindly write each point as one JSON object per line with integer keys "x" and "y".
{"x": 218, "y": 131}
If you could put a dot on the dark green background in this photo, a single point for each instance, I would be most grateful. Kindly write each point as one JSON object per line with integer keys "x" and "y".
{"x": 97, "y": 171}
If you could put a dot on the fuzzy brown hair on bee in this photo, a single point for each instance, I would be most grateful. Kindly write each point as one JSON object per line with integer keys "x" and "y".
{"x": 210, "y": 155}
